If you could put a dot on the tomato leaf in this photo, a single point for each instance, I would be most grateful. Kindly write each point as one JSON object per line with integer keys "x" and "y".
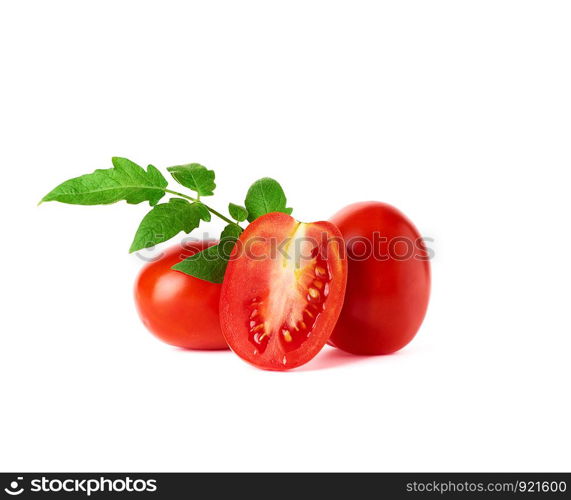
{"x": 206, "y": 265}
{"x": 230, "y": 234}
{"x": 202, "y": 211}
{"x": 237, "y": 212}
{"x": 125, "y": 181}
{"x": 210, "y": 264}
{"x": 265, "y": 196}
{"x": 196, "y": 177}
{"x": 167, "y": 220}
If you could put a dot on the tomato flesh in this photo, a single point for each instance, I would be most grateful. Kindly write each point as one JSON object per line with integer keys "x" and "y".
{"x": 297, "y": 326}
{"x": 282, "y": 291}
{"x": 388, "y": 285}
{"x": 179, "y": 309}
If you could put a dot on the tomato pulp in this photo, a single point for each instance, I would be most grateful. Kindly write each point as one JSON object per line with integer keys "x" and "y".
{"x": 388, "y": 283}
{"x": 283, "y": 291}
{"x": 179, "y": 309}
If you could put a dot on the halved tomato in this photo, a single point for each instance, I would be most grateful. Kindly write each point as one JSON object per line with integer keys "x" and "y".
{"x": 283, "y": 291}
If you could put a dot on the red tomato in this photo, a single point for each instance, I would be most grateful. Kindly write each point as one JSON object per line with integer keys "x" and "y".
{"x": 388, "y": 282}
{"x": 179, "y": 309}
{"x": 283, "y": 291}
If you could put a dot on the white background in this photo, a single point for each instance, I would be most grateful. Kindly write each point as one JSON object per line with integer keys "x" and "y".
{"x": 457, "y": 112}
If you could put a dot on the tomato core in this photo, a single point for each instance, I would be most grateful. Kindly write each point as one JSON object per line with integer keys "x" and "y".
{"x": 306, "y": 303}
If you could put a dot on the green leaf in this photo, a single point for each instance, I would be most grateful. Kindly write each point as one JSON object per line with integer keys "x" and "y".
{"x": 229, "y": 235}
{"x": 202, "y": 211}
{"x": 126, "y": 181}
{"x": 196, "y": 177}
{"x": 167, "y": 220}
{"x": 207, "y": 265}
{"x": 210, "y": 264}
{"x": 237, "y": 212}
{"x": 265, "y": 196}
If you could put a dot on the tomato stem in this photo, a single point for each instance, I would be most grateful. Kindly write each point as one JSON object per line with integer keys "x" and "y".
{"x": 210, "y": 209}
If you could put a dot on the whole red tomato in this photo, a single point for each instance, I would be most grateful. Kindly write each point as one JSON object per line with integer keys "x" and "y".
{"x": 179, "y": 309}
{"x": 388, "y": 280}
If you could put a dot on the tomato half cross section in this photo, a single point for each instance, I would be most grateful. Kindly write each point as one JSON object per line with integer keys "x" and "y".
{"x": 283, "y": 291}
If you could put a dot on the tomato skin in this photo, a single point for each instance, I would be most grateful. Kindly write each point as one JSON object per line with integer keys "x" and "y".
{"x": 277, "y": 312}
{"x": 385, "y": 300}
{"x": 179, "y": 309}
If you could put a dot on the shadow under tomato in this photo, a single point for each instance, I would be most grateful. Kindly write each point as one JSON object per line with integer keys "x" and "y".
{"x": 331, "y": 357}
{"x": 208, "y": 351}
